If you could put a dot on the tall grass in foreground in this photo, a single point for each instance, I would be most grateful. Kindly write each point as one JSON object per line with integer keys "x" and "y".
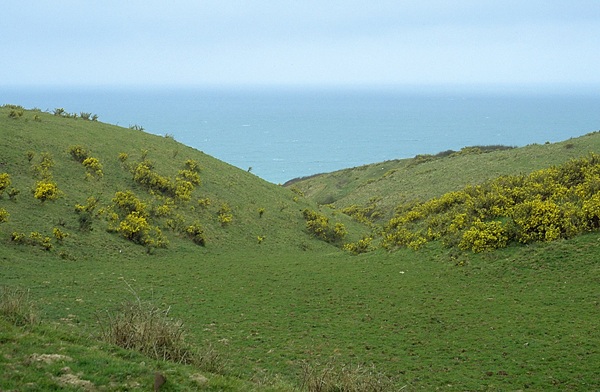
{"x": 335, "y": 377}
{"x": 146, "y": 328}
{"x": 16, "y": 307}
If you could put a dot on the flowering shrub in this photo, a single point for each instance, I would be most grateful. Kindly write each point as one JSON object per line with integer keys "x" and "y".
{"x": 225, "y": 216}
{"x": 34, "y": 239}
{"x": 93, "y": 166}
{"x": 4, "y": 182}
{"x": 79, "y": 153}
{"x": 484, "y": 236}
{"x": 204, "y": 203}
{"x": 318, "y": 225}
{"x": 557, "y": 202}
{"x": 42, "y": 169}
{"x": 145, "y": 176}
{"x": 135, "y": 228}
{"x": 4, "y": 215}
{"x": 46, "y": 190}
{"x": 128, "y": 202}
{"x": 361, "y": 246}
{"x": 183, "y": 190}
{"x": 189, "y": 175}
{"x": 59, "y": 234}
{"x": 196, "y": 233}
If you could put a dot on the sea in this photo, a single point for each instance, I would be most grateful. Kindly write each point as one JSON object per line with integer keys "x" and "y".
{"x": 280, "y": 134}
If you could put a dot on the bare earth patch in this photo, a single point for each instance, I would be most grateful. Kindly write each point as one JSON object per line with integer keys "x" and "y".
{"x": 49, "y": 358}
{"x": 70, "y": 379}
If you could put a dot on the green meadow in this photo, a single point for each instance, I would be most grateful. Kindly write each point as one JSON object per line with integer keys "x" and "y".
{"x": 264, "y": 302}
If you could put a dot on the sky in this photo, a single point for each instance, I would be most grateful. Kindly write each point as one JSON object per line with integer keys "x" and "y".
{"x": 299, "y": 42}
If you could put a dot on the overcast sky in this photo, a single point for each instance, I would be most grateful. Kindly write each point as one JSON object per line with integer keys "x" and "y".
{"x": 301, "y": 42}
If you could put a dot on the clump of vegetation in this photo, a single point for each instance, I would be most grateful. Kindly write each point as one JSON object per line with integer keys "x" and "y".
{"x": 59, "y": 234}
{"x": 88, "y": 116}
{"x": 43, "y": 168}
{"x": 46, "y": 190}
{"x": 4, "y": 215}
{"x": 367, "y": 214}
{"x": 34, "y": 239}
{"x": 549, "y": 204}
{"x": 146, "y": 328}
{"x": 136, "y": 127}
{"x": 196, "y": 233}
{"x": 129, "y": 216}
{"x": 336, "y": 377}
{"x": 224, "y": 214}
{"x": 16, "y": 307}
{"x": 79, "y": 153}
{"x": 5, "y": 182}
{"x": 204, "y": 203}
{"x": 86, "y": 212}
{"x": 93, "y": 167}
{"x": 318, "y": 225}
{"x": 363, "y": 245}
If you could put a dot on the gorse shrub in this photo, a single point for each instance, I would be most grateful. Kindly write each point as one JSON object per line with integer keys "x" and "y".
{"x": 86, "y": 212}
{"x": 93, "y": 167}
{"x": 361, "y": 246}
{"x": 225, "y": 215}
{"x": 46, "y": 163}
{"x": 318, "y": 225}
{"x": 135, "y": 227}
{"x": 204, "y": 203}
{"x": 144, "y": 175}
{"x": 367, "y": 214}
{"x": 79, "y": 153}
{"x": 59, "y": 234}
{"x": 196, "y": 233}
{"x": 4, "y": 215}
{"x": 13, "y": 193}
{"x": 5, "y": 182}
{"x": 127, "y": 202}
{"x": 16, "y": 113}
{"x": 546, "y": 205}
{"x": 46, "y": 190}
{"x": 34, "y": 239}
{"x": 484, "y": 236}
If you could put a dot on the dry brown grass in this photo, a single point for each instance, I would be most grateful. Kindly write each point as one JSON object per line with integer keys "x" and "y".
{"x": 148, "y": 329}
{"x": 16, "y": 307}
{"x": 336, "y": 377}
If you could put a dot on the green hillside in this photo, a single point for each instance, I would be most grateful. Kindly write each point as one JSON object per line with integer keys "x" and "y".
{"x": 251, "y": 277}
{"x": 426, "y": 176}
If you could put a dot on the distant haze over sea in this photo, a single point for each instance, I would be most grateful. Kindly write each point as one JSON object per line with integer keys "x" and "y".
{"x": 286, "y": 133}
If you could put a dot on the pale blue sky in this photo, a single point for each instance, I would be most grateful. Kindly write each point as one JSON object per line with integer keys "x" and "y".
{"x": 301, "y": 42}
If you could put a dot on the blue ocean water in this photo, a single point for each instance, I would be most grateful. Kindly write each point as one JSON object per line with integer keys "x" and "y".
{"x": 284, "y": 134}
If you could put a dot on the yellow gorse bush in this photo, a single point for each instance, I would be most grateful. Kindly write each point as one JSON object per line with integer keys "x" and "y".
{"x": 46, "y": 190}
{"x": 548, "y": 204}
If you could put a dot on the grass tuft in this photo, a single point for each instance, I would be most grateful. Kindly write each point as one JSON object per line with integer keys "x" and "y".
{"x": 338, "y": 377}
{"x": 146, "y": 328}
{"x": 16, "y": 307}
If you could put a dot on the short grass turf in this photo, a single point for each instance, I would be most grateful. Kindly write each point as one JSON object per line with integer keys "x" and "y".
{"x": 522, "y": 317}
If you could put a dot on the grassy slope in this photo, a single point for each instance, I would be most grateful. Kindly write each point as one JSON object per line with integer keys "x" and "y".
{"x": 281, "y": 224}
{"x": 521, "y": 317}
{"x": 400, "y": 181}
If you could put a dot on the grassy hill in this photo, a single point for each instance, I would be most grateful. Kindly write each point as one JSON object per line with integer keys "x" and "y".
{"x": 426, "y": 176}
{"x": 288, "y": 312}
